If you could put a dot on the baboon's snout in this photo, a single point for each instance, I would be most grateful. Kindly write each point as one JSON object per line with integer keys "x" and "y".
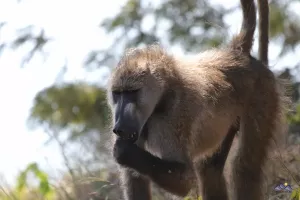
{"x": 125, "y": 131}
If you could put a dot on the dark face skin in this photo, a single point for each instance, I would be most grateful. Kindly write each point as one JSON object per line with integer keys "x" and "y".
{"x": 127, "y": 123}
{"x": 133, "y": 97}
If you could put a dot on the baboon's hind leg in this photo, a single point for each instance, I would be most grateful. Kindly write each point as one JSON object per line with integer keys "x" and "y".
{"x": 210, "y": 171}
{"x": 255, "y": 137}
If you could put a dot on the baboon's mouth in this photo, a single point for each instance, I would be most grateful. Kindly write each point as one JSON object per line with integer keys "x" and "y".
{"x": 133, "y": 135}
{"x": 130, "y": 136}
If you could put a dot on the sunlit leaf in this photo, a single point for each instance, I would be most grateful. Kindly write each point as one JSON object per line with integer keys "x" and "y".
{"x": 44, "y": 186}
{"x": 295, "y": 194}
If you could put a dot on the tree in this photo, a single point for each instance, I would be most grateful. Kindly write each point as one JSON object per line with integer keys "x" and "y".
{"x": 79, "y": 108}
{"x": 191, "y": 25}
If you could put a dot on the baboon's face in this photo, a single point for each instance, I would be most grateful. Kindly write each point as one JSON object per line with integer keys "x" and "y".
{"x": 133, "y": 95}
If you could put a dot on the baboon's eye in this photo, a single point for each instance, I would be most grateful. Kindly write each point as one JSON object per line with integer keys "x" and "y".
{"x": 131, "y": 91}
{"x": 131, "y": 94}
{"x": 115, "y": 95}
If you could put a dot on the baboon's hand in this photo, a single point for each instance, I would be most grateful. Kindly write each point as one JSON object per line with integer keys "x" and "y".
{"x": 124, "y": 151}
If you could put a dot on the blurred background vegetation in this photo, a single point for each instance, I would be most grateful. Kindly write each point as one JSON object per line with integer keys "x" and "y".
{"x": 74, "y": 114}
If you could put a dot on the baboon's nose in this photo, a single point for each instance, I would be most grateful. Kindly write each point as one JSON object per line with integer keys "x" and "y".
{"x": 118, "y": 132}
{"x": 121, "y": 130}
{"x": 125, "y": 132}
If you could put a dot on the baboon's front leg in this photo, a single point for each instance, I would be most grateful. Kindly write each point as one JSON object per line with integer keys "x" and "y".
{"x": 134, "y": 186}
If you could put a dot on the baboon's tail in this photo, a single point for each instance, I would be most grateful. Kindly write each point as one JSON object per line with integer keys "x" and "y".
{"x": 244, "y": 40}
{"x": 263, "y": 11}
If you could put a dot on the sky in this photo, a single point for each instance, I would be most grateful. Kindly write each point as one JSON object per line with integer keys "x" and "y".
{"x": 67, "y": 21}
{"x": 61, "y": 19}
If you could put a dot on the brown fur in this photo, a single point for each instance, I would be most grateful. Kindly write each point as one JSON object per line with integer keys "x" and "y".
{"x": 196, "y": 99}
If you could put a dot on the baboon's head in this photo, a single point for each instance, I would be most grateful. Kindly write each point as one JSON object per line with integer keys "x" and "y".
{"x": 135, "y": 88}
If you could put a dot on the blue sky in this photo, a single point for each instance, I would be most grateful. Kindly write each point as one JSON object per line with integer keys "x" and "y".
{"x": 74, "y": 25}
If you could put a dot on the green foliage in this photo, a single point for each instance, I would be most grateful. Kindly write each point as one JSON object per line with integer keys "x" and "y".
{"x": 295, "y": 194}
{"x": 277, "y": 17}
{"x": 284, "y": 23}
{"x": 44, "y": 185}
{"x": 80, "y": 107}
{"x": 192, "y": 24}
{"x": 294, "y": 118}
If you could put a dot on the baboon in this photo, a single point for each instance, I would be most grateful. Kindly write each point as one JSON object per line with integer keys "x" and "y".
{"x": 170, "y": 114}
